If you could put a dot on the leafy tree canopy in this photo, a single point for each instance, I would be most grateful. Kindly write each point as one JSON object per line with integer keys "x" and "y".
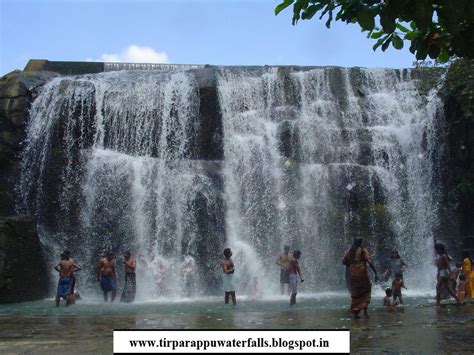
{"x": 440, "y": 29}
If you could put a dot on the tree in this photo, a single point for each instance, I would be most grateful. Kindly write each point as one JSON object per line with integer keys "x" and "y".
{"x": 440, "y": 29}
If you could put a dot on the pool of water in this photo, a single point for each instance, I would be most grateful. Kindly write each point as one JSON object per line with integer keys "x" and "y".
{"x": 418, "y": 326}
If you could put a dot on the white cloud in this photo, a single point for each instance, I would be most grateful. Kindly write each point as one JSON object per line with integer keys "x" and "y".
{"x": 135, "y": 54}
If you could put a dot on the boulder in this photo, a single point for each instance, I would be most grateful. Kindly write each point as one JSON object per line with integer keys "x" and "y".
{"x": 23, "y": 276}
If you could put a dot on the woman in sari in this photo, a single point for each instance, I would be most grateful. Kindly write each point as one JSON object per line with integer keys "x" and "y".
{"x": 356, "y": 259}
{"x": 469, "y": 273}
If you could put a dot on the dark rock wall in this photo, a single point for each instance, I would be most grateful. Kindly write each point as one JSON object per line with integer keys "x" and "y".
{"x": 22, "y": 270}
{"x": 459, "y": 165}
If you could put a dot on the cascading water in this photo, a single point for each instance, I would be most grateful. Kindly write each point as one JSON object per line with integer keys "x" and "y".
{"x": 122, "y": 148}
{"x": 315, "y": 158}
{"x": 311, "y": 158}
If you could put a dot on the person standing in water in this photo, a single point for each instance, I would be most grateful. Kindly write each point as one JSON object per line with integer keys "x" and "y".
{"x": 442, "y": 262}
{"x": 461, "y": 289}
{"x": 228, "y": 276}
{"x": 395, "y": 265}
{"x": 294, "y": 270}
{"x": 397, "y": 285}
{"x": 67, "y": 253}
{"x": 283, "y": 262}
{"x": 130, "y": 289}
{"x": 107, "y": 276}
{"x": 469, "y": 273}
{"x": 66, "y": 267}
{"x": 356, "y": 259}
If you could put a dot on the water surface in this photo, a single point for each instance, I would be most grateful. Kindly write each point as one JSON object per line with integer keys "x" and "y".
{"x": 418, "y": 326}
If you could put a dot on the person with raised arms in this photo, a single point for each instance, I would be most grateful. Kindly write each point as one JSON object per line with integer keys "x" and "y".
{"x": 107, "y": 276}
{"x": 66, "y": 267}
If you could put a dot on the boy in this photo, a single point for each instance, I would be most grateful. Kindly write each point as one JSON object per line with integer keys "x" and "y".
{"x": 294, "y": 271}
{"x": 387, "y": 301}
{"x": 66, "y": 268}
{"x": 397, "y": 285}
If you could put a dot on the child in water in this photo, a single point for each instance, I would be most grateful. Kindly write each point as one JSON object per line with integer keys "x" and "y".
{"x": 461, "y": 291}
{"x": 454, "y": 275}
{"x": 397, "y": 285}
{"x": 388, "y": 301}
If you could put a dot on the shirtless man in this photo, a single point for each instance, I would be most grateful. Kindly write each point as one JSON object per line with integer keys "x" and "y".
{"x": 130, "y": 289}
{"x": 107, "y": 276}
{"x": 67, "y": 253}
{"x": 283, "y": 261}
{"x": 65, "y": 267}
{"x": 294, "y": 271}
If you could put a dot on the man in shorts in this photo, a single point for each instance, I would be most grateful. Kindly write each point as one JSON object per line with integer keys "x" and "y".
{"x": 283, "y": 262}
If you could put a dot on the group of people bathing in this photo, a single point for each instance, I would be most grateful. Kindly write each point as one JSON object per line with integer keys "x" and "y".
{"x": 106, "y": 276}
{"x": 289, "y": 272}
{"x": 458, "y": 281}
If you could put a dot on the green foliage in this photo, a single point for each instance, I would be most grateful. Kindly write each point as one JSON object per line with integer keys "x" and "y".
{"x": 440, "y": 29}
{"x": 460, "y": 84}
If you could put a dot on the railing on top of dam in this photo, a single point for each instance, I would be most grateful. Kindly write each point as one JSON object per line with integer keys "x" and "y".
{"x": 147, "y": 66}
{"x": 78, "y": 68}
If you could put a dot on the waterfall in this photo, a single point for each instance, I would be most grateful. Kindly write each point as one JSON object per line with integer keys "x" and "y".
{"x": 312, "y": 157}
{"x": 315, "y": 158}
{"x": 109, "y": 165}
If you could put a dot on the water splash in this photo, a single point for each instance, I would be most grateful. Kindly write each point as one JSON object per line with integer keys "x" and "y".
{"x": 339, "y": 150}
{"x": 312, "y": 158}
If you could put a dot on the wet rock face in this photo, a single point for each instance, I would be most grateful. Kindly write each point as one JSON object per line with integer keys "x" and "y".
{"x": 17, "y": 90}
{"x": 459, "y": 168}
{"x": 22, "y": 273}
{"x": 14, "y": 103}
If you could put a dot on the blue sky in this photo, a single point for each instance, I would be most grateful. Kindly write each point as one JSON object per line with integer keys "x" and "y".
{"x": 220, "y": 32}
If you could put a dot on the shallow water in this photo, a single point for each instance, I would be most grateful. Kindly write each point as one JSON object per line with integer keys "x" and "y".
{"x": 418, "y": 326}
